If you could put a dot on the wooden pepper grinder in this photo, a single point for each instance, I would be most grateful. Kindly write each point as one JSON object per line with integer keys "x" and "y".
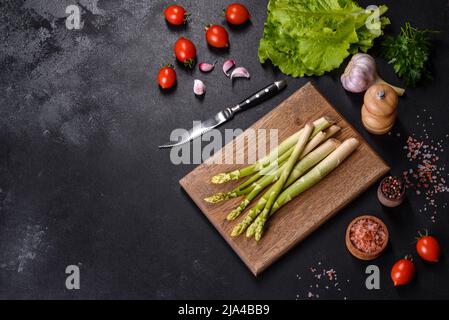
{"x": 379, "y": 108}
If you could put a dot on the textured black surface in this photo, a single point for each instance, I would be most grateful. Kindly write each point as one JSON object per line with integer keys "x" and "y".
{"x": 82, "y": 182}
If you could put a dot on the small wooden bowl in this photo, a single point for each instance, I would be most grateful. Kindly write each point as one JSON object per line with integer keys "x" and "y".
{"x": 391, "y": 203}
{"x": 360, "y": 254}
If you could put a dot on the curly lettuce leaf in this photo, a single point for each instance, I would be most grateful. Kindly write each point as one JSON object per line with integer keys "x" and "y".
{"x": 311, "y": 37}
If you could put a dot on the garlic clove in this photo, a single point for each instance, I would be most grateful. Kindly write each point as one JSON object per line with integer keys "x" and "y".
{"x": 198, "y": 87}
{"x": 240, "y": 72}
{"x": 228, "y": 65}
{"x": 206, "y": 67}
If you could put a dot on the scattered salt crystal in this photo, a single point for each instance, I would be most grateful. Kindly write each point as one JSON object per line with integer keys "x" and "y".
{"x": 322, "y": 278}
{"x": 428, "y": 176}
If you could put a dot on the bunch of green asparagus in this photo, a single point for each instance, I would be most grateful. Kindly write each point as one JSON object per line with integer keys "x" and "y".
{"x": 297, "y": 164}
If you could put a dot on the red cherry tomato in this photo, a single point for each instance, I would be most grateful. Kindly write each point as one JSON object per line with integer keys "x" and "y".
{"x": 166, "y": 77}
{"x": 402, "y": 272}
{"x": 217, "y": 36}
{"x": 185, "y": 51}
{"x": 175, "y": 15}
{"x": 236, "y": 14}
{"x": 428, "y": 248}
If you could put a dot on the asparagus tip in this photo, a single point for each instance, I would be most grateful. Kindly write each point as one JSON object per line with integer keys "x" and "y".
{"x": 236, "y": 231}
{"x": 258, "y": 232}
{"x": 233, "y": 214}
{"x": 250, "y": 231}
{"x": 221, "y": 178}
{"x": 216, "y": 198}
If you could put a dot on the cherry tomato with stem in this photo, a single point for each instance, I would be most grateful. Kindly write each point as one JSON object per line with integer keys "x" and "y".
{"x": 166, "y": 76}
{"x": 176, "y": 15}
{"x": 237, "y": 14}
{"x": 403, "y": 271}
{"x": 185, "y": 51}
{"x": 428, "y": 247}
{"x": 217, "y": 36}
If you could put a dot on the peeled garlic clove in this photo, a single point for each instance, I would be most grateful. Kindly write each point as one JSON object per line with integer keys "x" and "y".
{"x": 240, "y": 72}
{"x": 206, "y": 67}
{"x": 228, "y": 65}
{"x": 198, "y": 87}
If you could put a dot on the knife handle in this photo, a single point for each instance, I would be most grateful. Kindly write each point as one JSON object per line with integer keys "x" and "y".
{"x": 260, "y": 96}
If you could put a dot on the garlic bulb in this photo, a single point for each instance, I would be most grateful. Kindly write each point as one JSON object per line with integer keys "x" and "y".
{"x": 361, "y": 73}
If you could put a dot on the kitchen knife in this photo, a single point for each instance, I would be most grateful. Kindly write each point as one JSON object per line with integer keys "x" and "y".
{"x": 227, "y": 114}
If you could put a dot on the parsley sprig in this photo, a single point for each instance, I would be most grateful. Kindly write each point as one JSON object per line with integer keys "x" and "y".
{"x": 409, "y": 53}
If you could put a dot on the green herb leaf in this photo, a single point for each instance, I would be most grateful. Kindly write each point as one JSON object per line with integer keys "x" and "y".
{"x": 409, "y": 54}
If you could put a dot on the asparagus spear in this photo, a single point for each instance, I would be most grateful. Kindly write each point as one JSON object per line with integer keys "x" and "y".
{"x": 268, "y": 169}
{"x": 273, "y": 176}
{"x": 301, "y": 167}
{"x": 234, "y": 193}
{"x": 315, "y": 175}
{"x": 249, "y": 218}
{"x": 320, "y": 138}
{"x": 319, "y": 125}
{"x": 313, "y": 142}
{"x": 307, "y": 181}
{"x": 258, "y": 187}
{"x": 248, "y": 185}
{"x": 276, "y": 189}
{"x": 311, "y": 160}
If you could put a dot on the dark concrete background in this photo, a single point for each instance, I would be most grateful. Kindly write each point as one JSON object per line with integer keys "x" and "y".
{"x": 82, "y": 181}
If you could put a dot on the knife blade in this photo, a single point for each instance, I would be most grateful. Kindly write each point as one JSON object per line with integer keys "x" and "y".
{"x": 228, "y": 113}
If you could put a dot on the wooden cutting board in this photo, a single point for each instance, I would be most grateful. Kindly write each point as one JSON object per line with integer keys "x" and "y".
{"x": 304, "y": 214}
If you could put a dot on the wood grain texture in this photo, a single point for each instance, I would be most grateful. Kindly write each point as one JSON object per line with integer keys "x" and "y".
{"x": 302, "y": 215}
